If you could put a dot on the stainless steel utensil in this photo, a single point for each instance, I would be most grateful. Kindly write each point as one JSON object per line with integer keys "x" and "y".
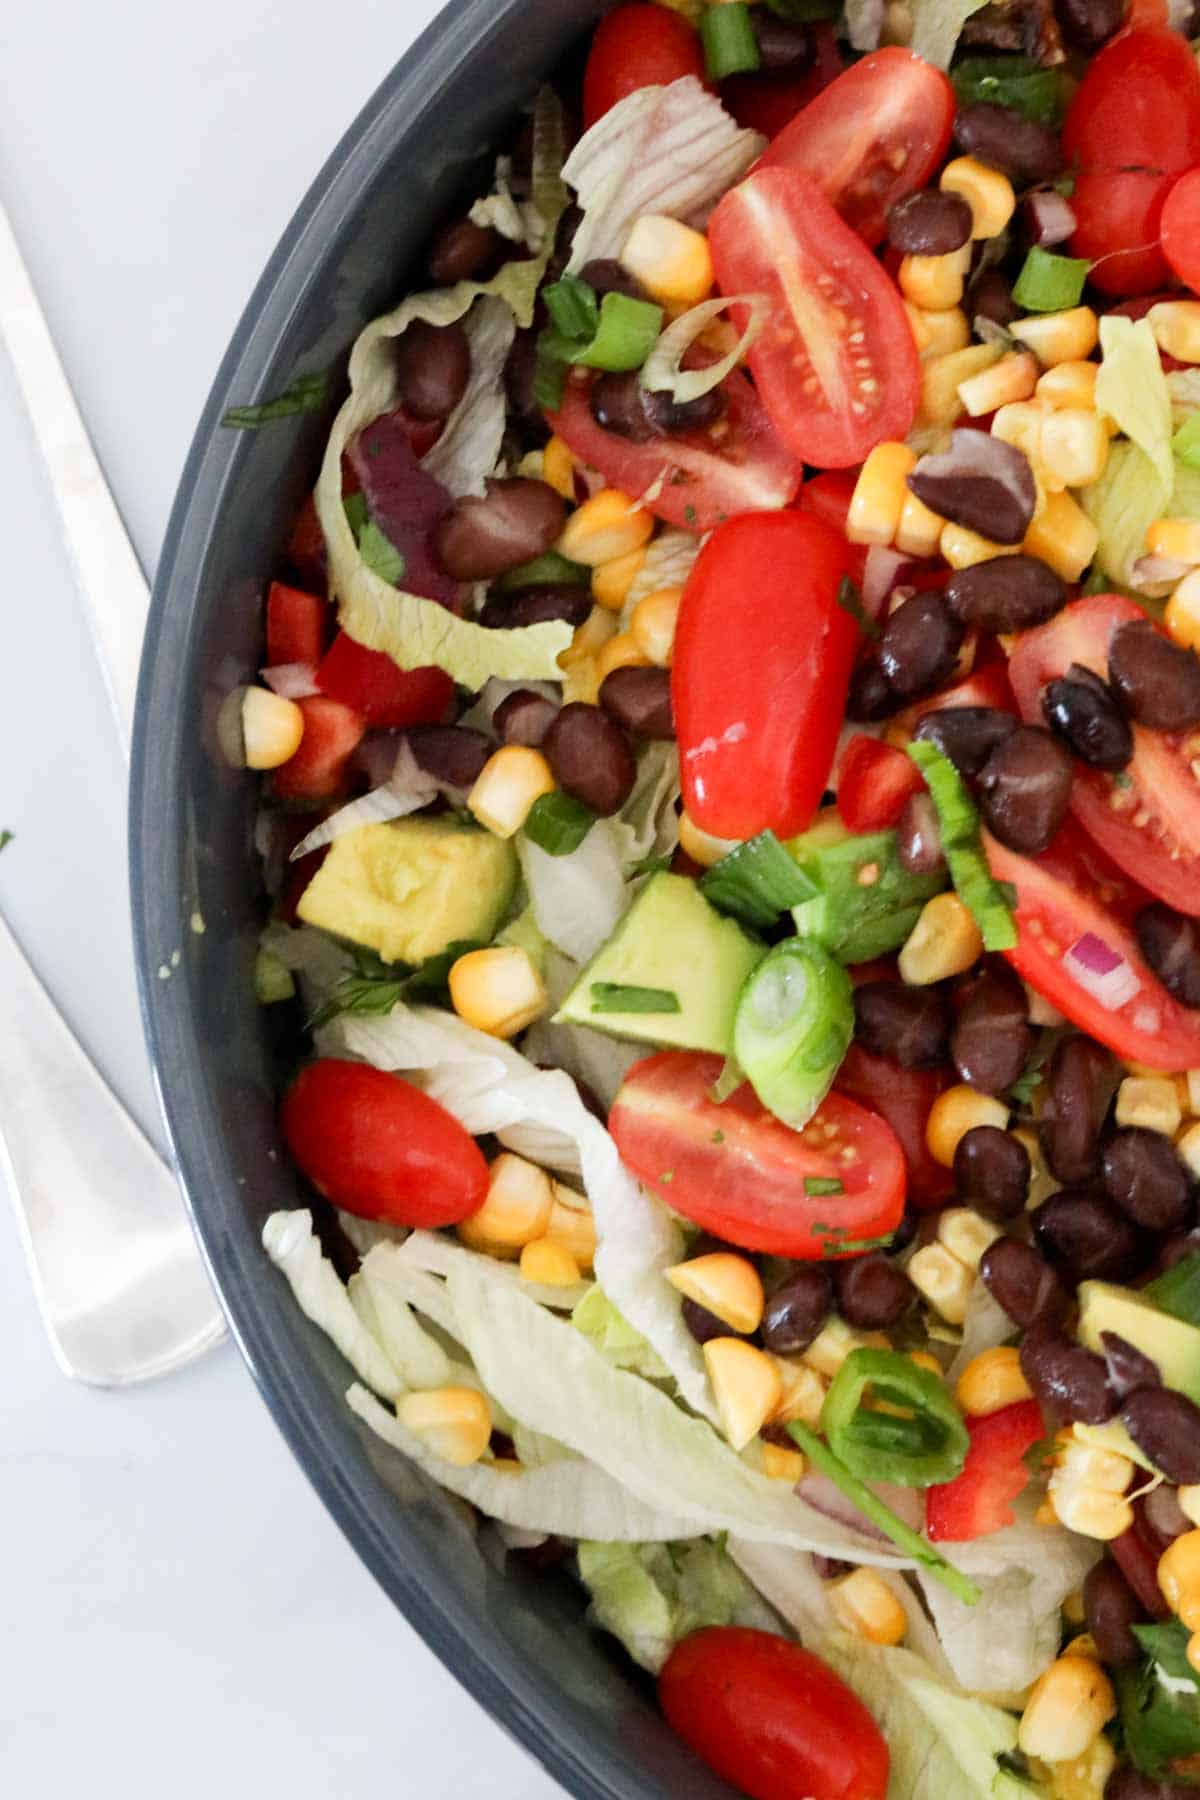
{"x": 119, "y": 1279}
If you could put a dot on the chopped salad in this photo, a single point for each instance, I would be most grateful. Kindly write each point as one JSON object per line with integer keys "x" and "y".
{"x": 732, "y": 717}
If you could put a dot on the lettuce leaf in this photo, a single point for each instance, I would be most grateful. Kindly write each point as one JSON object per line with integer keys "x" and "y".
{"x": 1132, "y": 390}
{"x": 937, "y": 26}
{"x": 652, "y": 1595}
{"x": 577, "y": 899}
{"x": 614, "y": 1337}
{"x": 468, "y": 449}
{"x": 669, "y": 560}
{"x": 292, "y": 1245}
{"x": 1126, "y": 500}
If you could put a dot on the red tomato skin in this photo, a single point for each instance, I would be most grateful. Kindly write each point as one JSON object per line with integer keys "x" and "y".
{"x": 738, "y": 1172}
{"x": 692, "y": 481}
{"x": 1180, "y": 228}
{"x": 904, "y": 1099}
{"x": 1137, "y": 107}
{"x": 306, "y": 548}
{"x": 828, "y": 495}
{"x": 772, "y": 1719}
{"x": 380, "y": 1148}
{"x": 637, "y": 46}
{"x": 295, "y": 625}
{"x": 761, "y": 667}
{"x": 776, "y": 234}
{"x": 1119, "y": 221}
{"x": 979, "y": 1499}
{"x": 317, "y": 770}
{"x": 848, "y": 137}
{"x": 370, "y": 683}
{"x": 769, "y": 103}
{"x": 1159, "y": 779}
{"x": 874, "y": 782}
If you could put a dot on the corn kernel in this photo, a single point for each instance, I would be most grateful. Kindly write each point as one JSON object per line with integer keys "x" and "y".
{"x": 1177, "y": 540}
{"x": 1010, "y": 380}
{"x": 924, "y": 1359}
{"x": 620, "y": 652}
{"x": 1182, "y": 617}
{"x": 1063, "y": 536}
{"x": 834, "y": 1342}
{"x": 701, "y": 845}
{"x": 935, "y": 283}
{"x": 967, "y": 1234}
{"x": 454, "y": 1422}
{"x": 944, "y": 941}
{"x": 1083, "y": 1644}
{"x": 1188, "y": 1499}
{"x": 1084, "y": 1777}
{"x": 1151, "y": 1102}
{"x": 1192, "y": 1083}
{"x": 879, "y": 494}
{"x": 922, "y": 335}
{"x": 1069, "y": 1707}
{"x": 987, "y": 192}
{"x": 608, "y": 526}
{"x": 511, "y": 779}
{"x": 548, "y": 1264}
{"x": 672, "y": 262}
{"x": 653, "y": 625}
{"x": 782, "y": 1464}
{"x": 920, "y": 529}
{"x": 1093, "y": 1466}
{"x": 611, "y": 581}
{"x": 802, "y": 1392}
{"x": 497, "y": 990}
{"x": 942, "y": 375}
{"x": 746, "y": 1386}
{"x": 942, "y": 331}
{"x": 942, "y": 1280}
{"x": 272, "y": 728}
{"x": 991, "y": 1381}
{"x": 1179, "y": 1572}
{"x": 1176, "y": 328}
{"x": 1020, "y": 424}
{"x": 955, "y": 1112}
{"x": 589, "y": 638}
{"x": 963, "y": 548}
{"x": 1069, "y": 384}
{"x": 516, "y": 1209}
{"x": 863, "y": 1603}
{"x": 728, "y": 1286}
{"x": 558, "y": 469}
{"x": 572, "y": 1225}
{"x": 1074, "y": 449}
{"x": 1061, "y": 337}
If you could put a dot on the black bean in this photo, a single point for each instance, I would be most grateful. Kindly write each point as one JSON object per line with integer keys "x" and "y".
{"x": 1025, "y": 789}
{"x": 1090, "y": 23}
{"x": 904, "y": 1233}
{"x": 703, "y": 1324}
{"x": 671, "y": 418}
{"x": 1128, "y": 1783}
{"x": 919, "y": 646}
{"x": 784, "y": 48}
{"x": 966, "y": 734}
{"x": 536, "y": 606}
{"x": 1112, "y": 1609}
{"x": 991, "y": 1172}
{"x": 433, "y": 365}
{"x": 1170, "y": 943}
{"x": 452, "y": 753}
{"x": 1129, "y": 1369}
{"x": 464, "y": 251}
{"x": 640, "y": 700}
{"x": 908, "y": 1024}
{"x": 1157, "y": 682}
{"x": 524, "y": 717}
{"x": 516, "y": 520}
{"x": 1086, "y": 716}
{"x": 618, "y": 404}
{"x": 1165, "y": 1424}
{"x": 590, "y": 756}
{"x": 1081, "y": 1082}
{"x": 992, "y": 1037}
{"x": 1023, "y": 1283}
{"x": 871, "y": 1292}
{"x": 990, "y": 297}
{"x": 520, "y": 376}
{"x": 1145, "y": 1178}
{"x": 1086, "y": 1238}
{"x": 929, "y": 223}
{"x": 870, "y": 698}
{"x": 605, "y": 275}
{"x": 1009, "y": 141}
{"x": 1068, "y": 1381}
{"x": 1009, "y": 593}
{"x": 919, "y": 836}
{"x": 980, "y": 482}
{"x": 796, "y": 1312}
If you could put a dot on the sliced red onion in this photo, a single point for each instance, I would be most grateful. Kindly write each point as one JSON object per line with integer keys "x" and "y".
{"x": 1102, "y": 971}
{"x": 1164, "y": 1513}
{"x": 880, "y": 574}
{"x": 1050, "y": 217}
{"x": 291, "y": 681}
{"x": 827, "y": 1498}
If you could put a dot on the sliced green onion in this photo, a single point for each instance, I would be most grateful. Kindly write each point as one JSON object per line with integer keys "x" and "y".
{"x": 573, "y": 307}
{"x": 1186, "y": 442}
{"x": 1013, "y": 81}
{"x": 1177, "y": 1291}
{"x": 958, "y": 821}
{"x": 728, "y": 1082}
{"x": 792, "y": 1027}
{"x": 627, "y": 332}
{"x": 730, "y": 46}
{"x": 1049, "y": 283}
{"x": 756, "y": 882}
{"x": 549, "y": 570}
{"x": 880, "y": 1514}
{"x": 550, "y": 371}
{"x": 616, "y": 997}
{"x": 818, "y": 1185}
{"x": 558, "y": 824}
{"x": 931, "y": 1447}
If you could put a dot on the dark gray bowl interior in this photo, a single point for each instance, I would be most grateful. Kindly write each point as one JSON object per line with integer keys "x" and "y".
{"x": 516, "y": 1641}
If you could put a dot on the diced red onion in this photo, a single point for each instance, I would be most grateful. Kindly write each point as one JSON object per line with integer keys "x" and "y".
{"x": 1101, "y": 971}
{"x": 291, "y": 681}
{"x": 882, "y": 568}
{"x": 1159, "y": 572}
{"x": 1164, "y": 1513}
{"x": 1050, "y": 217}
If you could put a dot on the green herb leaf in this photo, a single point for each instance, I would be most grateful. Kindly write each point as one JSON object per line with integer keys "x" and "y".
{"x": 1177, "y": 1290}
{"x": 850, "y": 600}
{"x": 846, "y": 1246}
{"x": 1039, "y": 1454}
{"x": 651, "y": 865}
{"x": 558, "y": 824}
{"x": 1160, "y": 1723}
{"x": 1029, "y": 1080}
{"x": 573, "y": 308}
{"x": 823, "y": 1184}
{"x": 616, "y": 997}
{"x": 375, "y": 986}
{"x": 307, "y": 393}
{"x": 6, "y": 838}
{"x": 380, "y": 554}
{"x": 1013, "y": 81}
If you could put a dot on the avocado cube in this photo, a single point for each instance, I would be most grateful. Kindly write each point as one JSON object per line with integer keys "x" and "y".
{"x": 1172, "y": 1343}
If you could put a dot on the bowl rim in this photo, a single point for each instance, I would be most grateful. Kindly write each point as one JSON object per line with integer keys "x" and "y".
{"x": 511, "y": 1694}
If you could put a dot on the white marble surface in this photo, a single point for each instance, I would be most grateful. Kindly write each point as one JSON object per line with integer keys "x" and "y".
{"x": 180, "y": 1616}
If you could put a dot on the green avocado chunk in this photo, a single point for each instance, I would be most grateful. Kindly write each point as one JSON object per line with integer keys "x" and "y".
{"x": 410, "y": 889}
{"x": 1171, "y": 1343}
{"x": 866, "y": 903}
{"x": 671, "y": 949}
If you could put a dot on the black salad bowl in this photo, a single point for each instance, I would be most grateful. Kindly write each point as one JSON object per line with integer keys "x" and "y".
{"x": 516, "y": 1639}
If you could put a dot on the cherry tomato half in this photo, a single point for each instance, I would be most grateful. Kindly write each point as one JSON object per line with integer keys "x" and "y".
{"x": 1180, "y": 228}
{"x": 835, "y": 361}
{"x": 874, "y": 782}
{"x": 768, "y": 103}
{"x": 295, "y": 625}
{"x": 761, "y": 667}
{"x": 772, "y": 1719}
{"x": 318, "y": 769}
{"x": 875, "y": 134}
{"x": 739, "y": 1173}
{"x": 979, "y": 1499}
{"x": 904, "y": 1098}
{"x": 637, "y": 46}
{"x": 377, "y": 1146}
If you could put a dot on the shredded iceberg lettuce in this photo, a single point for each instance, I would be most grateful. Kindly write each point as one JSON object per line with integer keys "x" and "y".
{"x": 577, "y": 899}
{"x": 1122, "y": 505}
{"x": 292, "y": 1245}
{"x": 652, "y": 1595}
{"x": 468, "y": 449}
{"x": 664, "y": 371}
{"x": 937, "y": 27}
{"x": 614, "y": 1337}
{"x": 1132, "y": 390}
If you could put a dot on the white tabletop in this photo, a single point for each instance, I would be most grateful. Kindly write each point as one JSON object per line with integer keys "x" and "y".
{"x": 179, "y": 1614}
